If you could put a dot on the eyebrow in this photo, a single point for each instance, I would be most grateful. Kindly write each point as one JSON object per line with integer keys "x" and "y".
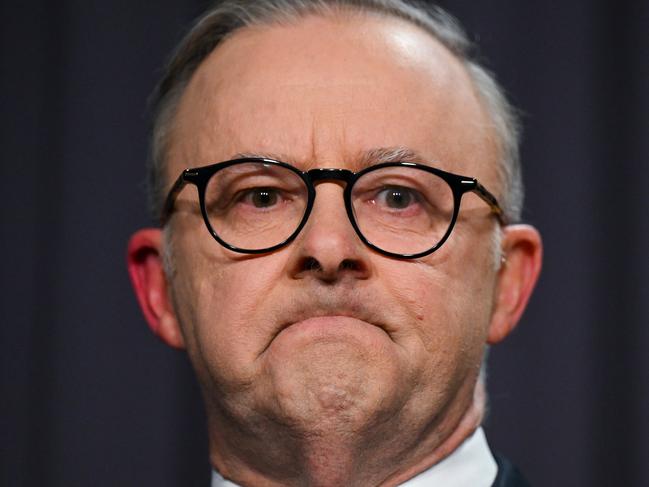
{"x": 389, "y": 154}
{"x": 367, "y": 158}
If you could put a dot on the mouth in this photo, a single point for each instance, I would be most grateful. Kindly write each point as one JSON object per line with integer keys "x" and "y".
{"x": 327, "y": 321}
{"x": 325, "y": 324}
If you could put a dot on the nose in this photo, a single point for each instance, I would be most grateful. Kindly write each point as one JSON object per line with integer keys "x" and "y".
{"x": 328, "y": 248}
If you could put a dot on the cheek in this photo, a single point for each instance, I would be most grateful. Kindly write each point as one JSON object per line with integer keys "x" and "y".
{"x": 433, "y": 306}
{"x": 447, "y": 303}
{"x": 218, "y": 301}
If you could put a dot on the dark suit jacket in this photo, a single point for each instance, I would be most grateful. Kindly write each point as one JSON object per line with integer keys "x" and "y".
{"x": 508, "y": 475}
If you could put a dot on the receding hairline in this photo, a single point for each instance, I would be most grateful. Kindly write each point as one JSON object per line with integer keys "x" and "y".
{"x": 450, "y": 70}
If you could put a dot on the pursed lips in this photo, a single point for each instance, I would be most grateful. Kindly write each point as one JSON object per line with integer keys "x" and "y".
{"x": 332, "y": 313}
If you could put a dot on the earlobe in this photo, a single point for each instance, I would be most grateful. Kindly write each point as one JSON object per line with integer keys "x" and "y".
{"x": 144, "y": 260}
{"x": 522, "y": 250}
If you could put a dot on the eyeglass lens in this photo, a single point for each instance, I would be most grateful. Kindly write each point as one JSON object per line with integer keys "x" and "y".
{"x": 254, "y": 205}
{"x": 403, "y": 210}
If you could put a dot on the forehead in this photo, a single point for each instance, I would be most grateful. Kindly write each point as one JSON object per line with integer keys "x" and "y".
{"x": 321, "y": 91}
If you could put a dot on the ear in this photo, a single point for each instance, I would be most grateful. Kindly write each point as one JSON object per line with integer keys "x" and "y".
{"x": 519, "y": 271}
{"x": 144, "y": 260}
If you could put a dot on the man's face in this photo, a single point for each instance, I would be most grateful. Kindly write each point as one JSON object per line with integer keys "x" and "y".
{"x": 326, "y": 332}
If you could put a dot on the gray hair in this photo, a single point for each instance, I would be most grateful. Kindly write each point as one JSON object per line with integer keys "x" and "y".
{"x": 228, "y": 16}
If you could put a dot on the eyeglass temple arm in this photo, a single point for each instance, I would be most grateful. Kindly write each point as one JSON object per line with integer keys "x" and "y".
{"x": 168, "y": 207}
{"x": 491, "y": 200}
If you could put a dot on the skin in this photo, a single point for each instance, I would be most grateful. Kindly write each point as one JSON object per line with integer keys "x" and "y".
{"x": 360, "y": 369}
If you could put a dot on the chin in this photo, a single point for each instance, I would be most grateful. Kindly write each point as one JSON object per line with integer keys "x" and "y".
{"x": 340, "y": 377}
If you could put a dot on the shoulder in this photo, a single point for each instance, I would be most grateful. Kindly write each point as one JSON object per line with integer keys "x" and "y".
{"x": 508, "y": 474}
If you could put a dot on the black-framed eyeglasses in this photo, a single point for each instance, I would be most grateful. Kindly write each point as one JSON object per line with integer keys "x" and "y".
{"x": 258, "y": 205}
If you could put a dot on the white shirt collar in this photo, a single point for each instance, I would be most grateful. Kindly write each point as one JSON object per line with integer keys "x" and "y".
{"x": 470, "y": 465}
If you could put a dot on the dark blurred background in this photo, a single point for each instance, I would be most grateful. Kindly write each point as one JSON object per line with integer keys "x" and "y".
{"x": 90, "y": 397}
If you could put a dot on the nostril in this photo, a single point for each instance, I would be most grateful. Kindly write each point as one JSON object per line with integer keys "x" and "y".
{"x": 349, "y": 265}
{"x": 311, "y": 264}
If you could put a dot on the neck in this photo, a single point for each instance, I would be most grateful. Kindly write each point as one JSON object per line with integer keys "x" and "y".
{"x": 381, "y": 455}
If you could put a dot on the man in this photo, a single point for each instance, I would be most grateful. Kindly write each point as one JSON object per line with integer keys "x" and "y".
{"x": 333, "y": 295}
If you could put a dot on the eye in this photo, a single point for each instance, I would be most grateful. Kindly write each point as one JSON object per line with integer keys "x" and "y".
{"x": 260, "y": 197}
{"x": 396, "y": 197}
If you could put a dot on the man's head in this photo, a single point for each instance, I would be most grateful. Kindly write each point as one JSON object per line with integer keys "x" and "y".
{"x": 326, "y": 348}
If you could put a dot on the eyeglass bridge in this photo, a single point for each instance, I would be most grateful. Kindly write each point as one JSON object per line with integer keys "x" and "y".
{"x": 330, "y": 174}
